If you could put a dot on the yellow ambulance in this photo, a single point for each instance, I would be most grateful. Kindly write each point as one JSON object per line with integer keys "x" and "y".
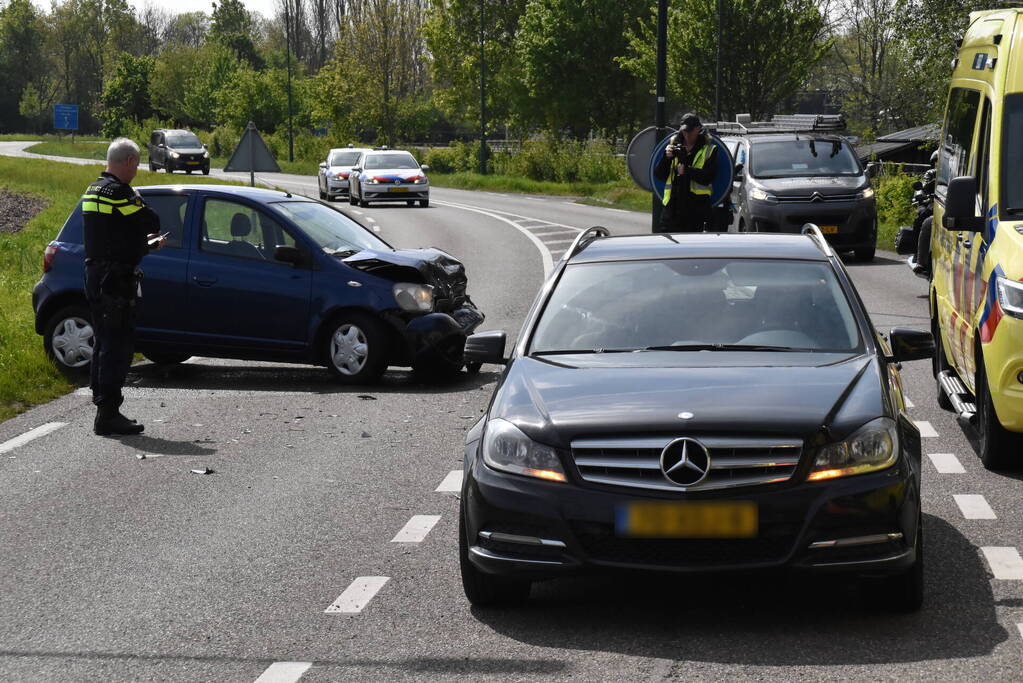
{"x": 976, "y": 293}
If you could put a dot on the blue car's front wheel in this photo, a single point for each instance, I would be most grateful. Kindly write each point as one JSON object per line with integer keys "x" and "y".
{"x": 356, "y": 348}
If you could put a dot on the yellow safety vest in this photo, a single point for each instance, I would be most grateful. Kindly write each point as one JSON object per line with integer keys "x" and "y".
{"x": 701, "y": 157}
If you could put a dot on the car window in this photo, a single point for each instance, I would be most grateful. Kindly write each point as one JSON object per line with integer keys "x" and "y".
{"x": 681, "y": 302}
{"x": 343, "y": 159}
{"x": 171, "y": 210}
{"x": 183, "y": 141}
{"x": 1012, "y": 158}
{"x": 960, "y": 122}
{"x": 240, "y": 231}
{"x": 400, "y": 161}
{"x": 331, "y": 230}
{"x": 800, "y": 158}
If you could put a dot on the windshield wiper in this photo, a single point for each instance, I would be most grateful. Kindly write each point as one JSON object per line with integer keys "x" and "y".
{"x": 565, "y": 352}
{"x": 1014, "y": 211}
{"x": 723, "y": 347}
{"x": 344, "y": 253}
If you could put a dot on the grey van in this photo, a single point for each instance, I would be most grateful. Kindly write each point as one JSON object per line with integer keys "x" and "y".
{"x": 783, "y": 181}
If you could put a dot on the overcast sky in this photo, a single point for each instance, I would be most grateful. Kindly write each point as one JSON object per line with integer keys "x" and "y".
{"x": 264, "y": 7}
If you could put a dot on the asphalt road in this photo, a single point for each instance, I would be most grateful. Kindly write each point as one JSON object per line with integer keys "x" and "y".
{"x": 120, "y": 568}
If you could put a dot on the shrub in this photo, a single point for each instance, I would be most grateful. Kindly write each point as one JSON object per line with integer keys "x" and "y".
{"x": 894, "y": 193}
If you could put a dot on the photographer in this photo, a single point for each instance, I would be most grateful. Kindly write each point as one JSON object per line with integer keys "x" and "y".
{"x": 688, "y": 169}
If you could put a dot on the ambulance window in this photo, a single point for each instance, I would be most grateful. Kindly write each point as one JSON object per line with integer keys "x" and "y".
{"x": 954, "y": 154}
{"x": 982, "y": 157}
{"x": 1011, "y": 195}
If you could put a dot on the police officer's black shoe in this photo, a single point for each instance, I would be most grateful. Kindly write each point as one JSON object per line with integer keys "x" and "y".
{"x": 112, "y": 422}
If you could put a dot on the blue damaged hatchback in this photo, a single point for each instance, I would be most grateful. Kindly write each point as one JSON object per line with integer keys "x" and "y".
{"x": 259, "y": 274}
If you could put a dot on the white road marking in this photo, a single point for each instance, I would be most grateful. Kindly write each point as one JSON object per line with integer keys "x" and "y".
{"x": 284, "y": 672}
{"x": 451, "y": 483}
{"x": 946, "y": 463}
{"x": 545, "y": 255}
{"x": 607, "y": 208}
{"x": 926, "y": 430}
{"x": 974, "y": 506}
{"x": 41, "y": 430}
{"x": 909, "y": 404}
{"x": 415, "y": 529}
{"x": 357, "y": 596}
{"x": 1020, "y": 627}
{"x": 376, "y": 228}
{"x": 370, "y": 220}
{"x": 84, "y": 391}
{"x": 1005, "y": 563}
{"x": 359, "y": 213}
{"x": 553, "y": 242}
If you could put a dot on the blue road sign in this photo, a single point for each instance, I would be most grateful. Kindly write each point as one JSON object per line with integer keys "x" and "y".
{"x": 722, "y": 181}
{"x": 65, "y": 117}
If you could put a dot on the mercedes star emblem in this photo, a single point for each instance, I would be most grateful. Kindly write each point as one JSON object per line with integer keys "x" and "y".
{"x": 685, "y": 462}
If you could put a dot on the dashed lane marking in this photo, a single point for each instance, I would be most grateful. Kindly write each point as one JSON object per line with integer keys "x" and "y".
{"x": 909, "y": 404}
{"x": 946, "y": 463}
{"x": 357, "y": 596}
{"x": 284, "y": 672}
{"x": 545, "y": 254}
{"x": 30, "y": 435}
{"x": 1020, "y": 627}
{"x": 376, "y": 228}
{"x": 452, "y": 483}
{"x": 553, "y": 242}
{"x": 1005, "y": 562}
{"x": 415, "y": 529}
{"x": 370, "y": 220}
{"x": 974, "y": 506}
{"x": 358, "y": 213}
{"x": 926, "y": 430}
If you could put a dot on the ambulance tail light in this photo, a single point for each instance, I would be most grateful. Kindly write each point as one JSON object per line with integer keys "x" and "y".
{"x": 1010, "y": 296}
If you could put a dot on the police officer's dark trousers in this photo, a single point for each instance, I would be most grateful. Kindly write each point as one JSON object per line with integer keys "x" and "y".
{"x": 111, "y": 295}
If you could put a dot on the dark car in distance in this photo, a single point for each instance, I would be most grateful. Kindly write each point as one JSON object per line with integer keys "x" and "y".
{"x": 694, "y": 403}
{"x": 259, "y": 274}
{"x": 177, "y": 150}
{"x": 784, "y": 181}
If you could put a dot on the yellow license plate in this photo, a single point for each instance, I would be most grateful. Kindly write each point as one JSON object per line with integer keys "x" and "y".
{"x": 731, "y": 519}
{"x": 829, "y": 229}
{"x": 398, "y": 189}
{"x": 192, "y": 163}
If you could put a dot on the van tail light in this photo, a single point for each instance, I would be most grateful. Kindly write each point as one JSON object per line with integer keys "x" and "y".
{"x": 48, "y": 255}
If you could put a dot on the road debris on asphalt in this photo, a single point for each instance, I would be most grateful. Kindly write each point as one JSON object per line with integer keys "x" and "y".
{"x": 202, "y": 470}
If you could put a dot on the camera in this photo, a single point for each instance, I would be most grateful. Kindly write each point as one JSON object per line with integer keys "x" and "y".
{"x": 677, "y": 149}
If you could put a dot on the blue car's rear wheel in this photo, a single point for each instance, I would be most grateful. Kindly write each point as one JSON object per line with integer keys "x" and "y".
{"x": 68, "y": 340}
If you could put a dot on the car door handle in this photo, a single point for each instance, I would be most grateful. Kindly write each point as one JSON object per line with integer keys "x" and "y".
{"x": 203, "y": 281}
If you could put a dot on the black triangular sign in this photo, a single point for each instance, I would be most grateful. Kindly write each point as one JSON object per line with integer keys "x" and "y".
{"x": 251, "y": 154}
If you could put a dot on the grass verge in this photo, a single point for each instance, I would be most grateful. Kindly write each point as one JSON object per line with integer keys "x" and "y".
{"x": 621, "y": 195}
{"x": 27, "y": 377}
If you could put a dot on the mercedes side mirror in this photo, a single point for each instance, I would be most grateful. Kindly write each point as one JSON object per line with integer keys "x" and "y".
{"x": 289, "y": 254}
{"x": 960, "y": 205}
{"x": 486, "y": 347}
{"x": 910, "y": 344}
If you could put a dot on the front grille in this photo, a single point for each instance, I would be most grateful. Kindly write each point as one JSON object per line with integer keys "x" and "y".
{"x": 734, "y": 461}
{"x": 601, "y": 544}
{"x": 809, "y": 198}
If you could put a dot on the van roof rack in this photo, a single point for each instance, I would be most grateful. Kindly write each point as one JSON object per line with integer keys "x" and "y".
{"x": 781, "y": 123}
{"x": 584, "y": 238}
{"x": 817, "y": 236}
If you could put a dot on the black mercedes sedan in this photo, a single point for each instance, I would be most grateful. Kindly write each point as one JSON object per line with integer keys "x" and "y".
{"x": 695, "y": 403}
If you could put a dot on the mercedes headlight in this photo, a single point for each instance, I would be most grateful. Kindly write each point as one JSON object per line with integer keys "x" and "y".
{"x": 507, "y": 449}
{"x": 866, "y": 193}
{"x": 413, "y": 297}
{"x": 874, "y": 446}
{"x": 761, "y": 195}
{"x": 1010, "y": 296}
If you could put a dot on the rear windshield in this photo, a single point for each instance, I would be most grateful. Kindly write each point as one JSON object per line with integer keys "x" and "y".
{"x": 183, "y": 140}
{"x": 384, "y": 161}
{"x": 800, "y": 158}
{"x": 343, "y": 158}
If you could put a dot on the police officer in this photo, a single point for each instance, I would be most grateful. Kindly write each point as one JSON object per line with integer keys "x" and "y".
{"x": 119, "y": 231}
{"x": 688, "y": 168}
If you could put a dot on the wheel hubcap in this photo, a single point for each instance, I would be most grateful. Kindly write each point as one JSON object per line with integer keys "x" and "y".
{"x": 72, "y": 342}
{"x": 349, "y": 349}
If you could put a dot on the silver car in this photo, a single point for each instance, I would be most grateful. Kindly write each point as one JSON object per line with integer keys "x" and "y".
{"x": 389, "y": 176}
{"x": 332, "y": 177}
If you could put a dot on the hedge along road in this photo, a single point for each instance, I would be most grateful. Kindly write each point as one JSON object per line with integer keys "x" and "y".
{"x": 322, "y": 540}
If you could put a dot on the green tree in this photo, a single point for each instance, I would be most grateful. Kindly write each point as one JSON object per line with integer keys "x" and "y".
{"x": 233, "y": 25}
{"x": 21, "y": 40}
{"x": 126, "y": 96}
{"x": 188, "y": 29}
{"x": 32, "y": 107}
{"x": 768, "y": 50}
{"x": 205, "y": 89}
{"x": 568, "y": 51}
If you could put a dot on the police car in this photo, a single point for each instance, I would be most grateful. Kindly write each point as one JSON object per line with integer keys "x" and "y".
{"x": 389, "y": 176}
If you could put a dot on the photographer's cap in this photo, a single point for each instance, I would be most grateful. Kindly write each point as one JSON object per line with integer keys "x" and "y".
{"x": 690, "y": 122}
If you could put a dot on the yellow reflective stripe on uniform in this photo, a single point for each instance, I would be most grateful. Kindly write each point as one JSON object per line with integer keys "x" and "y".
{"x": 96, "y": 207}
{"x": 108, "y": 200}
{"x": 698, "y": 161}
{"x": 128, "y": 210}
{"x": 667, "y": 185}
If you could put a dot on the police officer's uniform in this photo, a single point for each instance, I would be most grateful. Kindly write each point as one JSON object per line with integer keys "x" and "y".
{"x": 687, "y": 197}
{"x": 116, "y": 225}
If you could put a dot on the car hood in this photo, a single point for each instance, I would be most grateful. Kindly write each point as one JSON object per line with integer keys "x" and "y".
{"x": 826, "y": 185}
{"x": 554, "y": 402}
{"x": 430, "y": 266}
{"x": 390, "y": 175}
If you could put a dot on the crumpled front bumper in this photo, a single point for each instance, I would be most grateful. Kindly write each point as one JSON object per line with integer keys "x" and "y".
{"x": 441, "y": 335}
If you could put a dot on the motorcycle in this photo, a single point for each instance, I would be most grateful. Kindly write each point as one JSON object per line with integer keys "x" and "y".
{"x": 916, "y": 239}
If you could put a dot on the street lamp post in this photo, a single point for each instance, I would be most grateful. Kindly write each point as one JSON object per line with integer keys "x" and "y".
{"x": 662, "y": 73}
{"x": 483, "y": 96}
{"x": 287, "y": 44}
